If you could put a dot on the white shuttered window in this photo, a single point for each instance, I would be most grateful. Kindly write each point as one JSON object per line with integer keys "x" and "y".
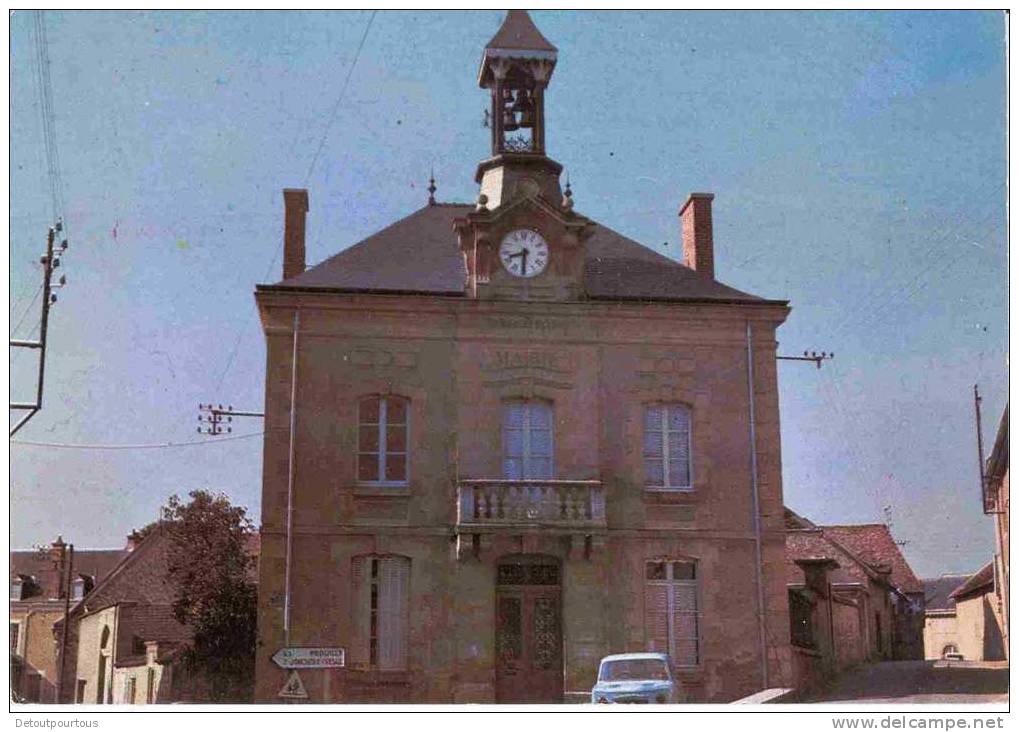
{"x": 380, "y": 612}
{"x": 667, "y": 447}
{"x": 527, "y": 440}
{"x": 671, "y": 616}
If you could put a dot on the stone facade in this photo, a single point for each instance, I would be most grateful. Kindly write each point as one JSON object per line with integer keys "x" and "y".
{"x": 453, "y": 574}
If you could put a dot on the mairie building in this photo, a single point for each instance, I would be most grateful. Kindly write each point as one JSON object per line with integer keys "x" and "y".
{"x": 503, "y": 441}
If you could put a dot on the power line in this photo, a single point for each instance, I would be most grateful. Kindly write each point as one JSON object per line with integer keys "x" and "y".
{"x": 307, "y": 177}
{"x": 27, "y": 311}
{"x": 149, "y": 446}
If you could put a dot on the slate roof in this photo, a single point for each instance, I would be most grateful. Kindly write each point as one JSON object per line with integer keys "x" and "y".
{"x": 978, "y": 583}
{"x": 937, "y": 592}
{"x": 96, "y": 563}
{"x": 419, "y": 254}
{"x": 874, "y": 544}
{"x": 518, "y": 32}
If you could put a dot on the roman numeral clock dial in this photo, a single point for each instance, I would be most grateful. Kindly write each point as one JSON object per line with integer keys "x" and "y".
{"x": 524, "y": 253}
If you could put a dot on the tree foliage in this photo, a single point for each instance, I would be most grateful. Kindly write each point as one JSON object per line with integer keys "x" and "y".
{"x": 211, "y": 572}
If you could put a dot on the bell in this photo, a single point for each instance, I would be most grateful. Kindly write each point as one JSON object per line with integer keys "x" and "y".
{"x": 527, "y": 118}
{"x": 509, "y": 121}
{"x": 507, "y": 96}
{"x": 522, "y": 104}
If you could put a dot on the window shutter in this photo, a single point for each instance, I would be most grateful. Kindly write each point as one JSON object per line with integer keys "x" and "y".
{"x": 656, "y": 617}
{"x": 393, "y": 607}
{"x": 360, "y": 611}
{"x": 684, "y": 624}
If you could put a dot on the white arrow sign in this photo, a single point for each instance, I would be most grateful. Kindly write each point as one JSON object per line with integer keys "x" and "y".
{"x": 310, "y": 658}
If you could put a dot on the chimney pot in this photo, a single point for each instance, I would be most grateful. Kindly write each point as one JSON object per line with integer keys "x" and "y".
{"x": 698, "y": 237}
{"x": 295, "y": 206}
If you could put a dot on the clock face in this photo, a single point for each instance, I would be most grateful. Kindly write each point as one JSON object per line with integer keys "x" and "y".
{"x": 524, "y": 253}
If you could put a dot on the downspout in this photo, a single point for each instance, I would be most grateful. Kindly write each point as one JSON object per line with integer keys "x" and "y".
{"x": 757, "y": 511}
{"x": 290, "y": 484}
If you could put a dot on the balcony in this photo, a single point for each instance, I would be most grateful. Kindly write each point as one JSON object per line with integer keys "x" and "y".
{"x": 568, "y": 504}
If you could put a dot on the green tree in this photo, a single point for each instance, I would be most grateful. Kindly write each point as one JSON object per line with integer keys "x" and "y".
{"x": 211, "y": 572}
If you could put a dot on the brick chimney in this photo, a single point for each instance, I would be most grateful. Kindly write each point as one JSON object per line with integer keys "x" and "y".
{"x": 698, "y": 241}
{"x": 53, "y": 582}
{"x": 295, "y": 205}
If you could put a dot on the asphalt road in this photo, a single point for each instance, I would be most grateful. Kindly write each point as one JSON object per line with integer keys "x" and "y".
{"x": 919, "y": 682}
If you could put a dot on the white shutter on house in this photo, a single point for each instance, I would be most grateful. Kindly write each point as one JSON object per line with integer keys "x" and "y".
{"x": 360, "y": 610}
{"x": 684, "y": 623}
{"x": 656, "y": 617}
{"x": 393, "y": 610}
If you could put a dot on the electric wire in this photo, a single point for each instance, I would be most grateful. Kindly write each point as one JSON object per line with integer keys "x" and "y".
{"x": 311, "y": 168}
{"x": 142, "y": 446}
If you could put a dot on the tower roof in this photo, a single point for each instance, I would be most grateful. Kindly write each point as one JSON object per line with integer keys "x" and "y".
{"x": 519, "y": 33}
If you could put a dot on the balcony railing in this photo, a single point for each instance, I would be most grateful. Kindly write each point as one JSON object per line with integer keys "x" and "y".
{"x": 560, "y": 503}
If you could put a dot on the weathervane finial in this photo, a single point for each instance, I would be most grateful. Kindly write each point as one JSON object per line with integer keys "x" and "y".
{"x": 431, "y": 188}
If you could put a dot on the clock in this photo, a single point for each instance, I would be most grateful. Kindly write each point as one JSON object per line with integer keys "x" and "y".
{"x": 524, "y": 253}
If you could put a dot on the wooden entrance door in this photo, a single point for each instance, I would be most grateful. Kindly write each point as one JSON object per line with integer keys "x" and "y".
{"x": 528, "y": 632}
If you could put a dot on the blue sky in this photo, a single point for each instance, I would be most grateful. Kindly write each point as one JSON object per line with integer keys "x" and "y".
{"x": 858, "y": 162}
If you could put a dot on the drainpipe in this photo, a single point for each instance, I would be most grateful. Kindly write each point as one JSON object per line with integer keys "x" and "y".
{"x": 290, "y": 484}
{"x": 757, "y": 511}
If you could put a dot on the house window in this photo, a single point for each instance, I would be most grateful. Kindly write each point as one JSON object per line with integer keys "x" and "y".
{"x": 80, "y": 691}
{"x": 78, "y": 589}
{"x": 667, "y": 447}
{"x": 15, "y": 632}
{"x": 130, "y": 690}
{"x": 150, "y": 686}
{"x": 16, "y": 589}
{"x": 671, "y": 616}
{"x": 527, "y": 440}
{"x": 383, "y": 435}
{"x": 380, "y": 588}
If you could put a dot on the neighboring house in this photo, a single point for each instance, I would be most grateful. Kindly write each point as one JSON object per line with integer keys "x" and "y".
{"x": 996, "y": 502}
{"x": 503, "y": 441}
{"x": 941, "y": 631}
{"x": 873, "y": 543}
{"x": 128, "y": 642}
{"x": 852, "y": 598}
{"x": 39, "y": 597}
{"x": 979, "y": 635}
{"x": 113, "y": 625}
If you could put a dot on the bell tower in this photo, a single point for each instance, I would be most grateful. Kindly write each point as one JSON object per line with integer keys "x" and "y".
{"x": 516, "y": 68}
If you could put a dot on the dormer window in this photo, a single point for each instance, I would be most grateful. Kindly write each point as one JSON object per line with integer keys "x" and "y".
{"x": 80, "y": 587}
{"x": 17, "y": 588}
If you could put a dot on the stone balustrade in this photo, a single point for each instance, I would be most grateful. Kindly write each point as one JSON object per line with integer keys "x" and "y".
{"x": 558, "y": 503}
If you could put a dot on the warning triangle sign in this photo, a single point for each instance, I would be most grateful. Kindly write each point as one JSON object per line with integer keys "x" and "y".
{"x": 293, "y": 688}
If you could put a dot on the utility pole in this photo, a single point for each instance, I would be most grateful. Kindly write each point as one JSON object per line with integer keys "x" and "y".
{"x": 50, "y": 262}
{"x": 814, "y": 356}
{"x": 63, "y": 632}
{"x": 213, "y": 417}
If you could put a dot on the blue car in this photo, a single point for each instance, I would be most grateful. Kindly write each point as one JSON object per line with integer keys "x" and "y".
{"x": 636, "y": 678}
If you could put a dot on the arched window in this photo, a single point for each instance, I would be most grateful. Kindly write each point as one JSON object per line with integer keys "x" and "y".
{"x": 527, "y": 439}
{"x": 950, "y": 650}
{"x": 383, "y": 436}
{"x": 667, "y": 447}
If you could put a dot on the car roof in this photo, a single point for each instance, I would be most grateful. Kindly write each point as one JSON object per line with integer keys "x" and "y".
{"x": 637, "y": 657}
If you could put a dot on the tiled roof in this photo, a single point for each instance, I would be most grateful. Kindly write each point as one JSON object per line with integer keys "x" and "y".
{"x": 938, "y": 590}
{"x": 419, "y": 254}
{"x": 979, "y": 582}
{"x": 806, "y": 545}
{"x": 874, "y": 544}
